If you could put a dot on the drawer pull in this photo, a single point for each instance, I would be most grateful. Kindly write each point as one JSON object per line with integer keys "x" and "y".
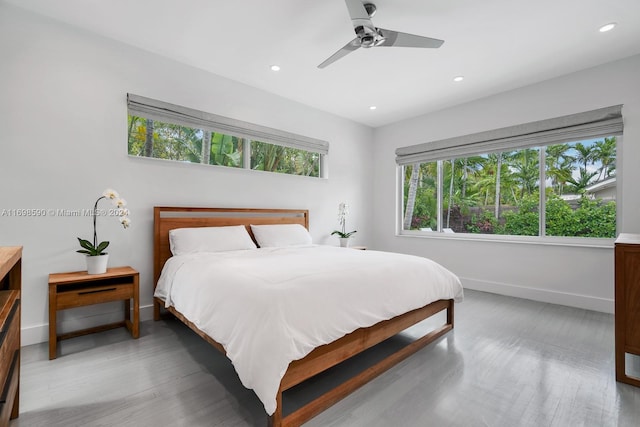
{"x": 97, "y": 291}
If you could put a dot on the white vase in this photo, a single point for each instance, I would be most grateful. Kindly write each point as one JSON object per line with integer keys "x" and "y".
{"x": 97, "y": 264}
{"x": 345, "y": 242}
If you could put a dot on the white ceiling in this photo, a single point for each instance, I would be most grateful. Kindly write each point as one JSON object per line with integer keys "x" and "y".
{"x": 496, "y": 44}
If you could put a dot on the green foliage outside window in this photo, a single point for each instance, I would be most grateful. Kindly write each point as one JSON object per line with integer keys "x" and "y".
{"x": 276, "y": 158}
{"x": 498, "y": 193}
{"x": 525, "y": 220}
{"x": 151, "y": 138}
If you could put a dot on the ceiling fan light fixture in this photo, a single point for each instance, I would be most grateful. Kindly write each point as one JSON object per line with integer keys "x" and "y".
{"x": 458, "y": 78}
{"x": 275, "y": 68}
{"x": 608, "y": 27}
{"x": 372, "y": 107}
{"x": 370, "y": 8}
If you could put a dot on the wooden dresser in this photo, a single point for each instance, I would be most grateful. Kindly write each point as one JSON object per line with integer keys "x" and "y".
{"x": 627, "y": 309}
{"x": 10, "y": 287}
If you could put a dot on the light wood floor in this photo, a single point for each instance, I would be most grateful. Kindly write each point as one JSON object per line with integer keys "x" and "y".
{"x": 509, "y": 362}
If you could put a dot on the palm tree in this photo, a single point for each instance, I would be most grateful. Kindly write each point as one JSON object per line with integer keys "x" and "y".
{"x": 421, "y": 193}
{"x": 411, "y": 196}
{"x": 498, "y": 183}
{"x": 605, "y": 153}
{"x": 452, "y": 178}
{"x": 560, "y": 174}
{"x": 470, "y": 167}
{"x": 585, "y": 154}
{"x": 525, "y": 171}
{"x": 187, "y": 143}
{"x": 582, "y": 182}
{"x": 206, "y": 147}
{"x": 266, "y": 157}
{"x": 485, "y": 179}
{"x": 148, "y": 143}
{"x": 558, "y": 165}
{"x": 485, "y": 182}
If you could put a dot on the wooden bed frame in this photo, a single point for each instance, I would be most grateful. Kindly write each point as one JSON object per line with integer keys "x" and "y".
{"x": 323, "y": 357}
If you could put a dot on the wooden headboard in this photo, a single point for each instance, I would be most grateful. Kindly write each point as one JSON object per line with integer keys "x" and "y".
{"x": 168, "y": 218}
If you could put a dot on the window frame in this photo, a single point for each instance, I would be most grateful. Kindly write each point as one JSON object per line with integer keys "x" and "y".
{"x": 480, "y": 144}
{"x": 164, "y": 112}
{"x": 592, "y": 242}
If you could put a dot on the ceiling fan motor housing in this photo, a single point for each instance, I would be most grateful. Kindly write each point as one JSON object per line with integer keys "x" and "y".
{"x": 366, "y": 38}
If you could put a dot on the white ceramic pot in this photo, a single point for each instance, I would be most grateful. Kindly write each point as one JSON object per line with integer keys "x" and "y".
{"x": 345, "y": 242}
{"x": 97, "y": 264}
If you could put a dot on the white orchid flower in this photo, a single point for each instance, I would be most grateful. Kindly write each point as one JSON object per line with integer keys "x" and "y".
{"x": 110, "y": 193}
{"x": 94, "y": 248}
{"x": 125, "y": 221}
{"x": 343, "y": 210}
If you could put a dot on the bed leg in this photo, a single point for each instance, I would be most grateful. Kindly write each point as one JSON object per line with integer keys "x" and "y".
{"x": 156, "y": 310}
{"x": 275, "y": 420}
{"x": 450, "y": 313}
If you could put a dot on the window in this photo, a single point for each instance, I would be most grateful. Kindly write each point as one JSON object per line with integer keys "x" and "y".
{"x": 580, "y": 197}
{"x": 276, "y": 158}
{"x": 165, "y": 131}
{"x": 558, "y": 188}
{"x": 159, "y": 140}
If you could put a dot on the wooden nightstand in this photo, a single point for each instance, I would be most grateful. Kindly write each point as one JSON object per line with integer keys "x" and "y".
{"x": 77, "y": 289}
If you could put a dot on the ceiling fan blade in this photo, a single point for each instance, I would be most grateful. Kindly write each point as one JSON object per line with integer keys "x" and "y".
{"x": 357, "y": 10}
{"x": 348, "y": 48}
{"x": 396, "y": 38}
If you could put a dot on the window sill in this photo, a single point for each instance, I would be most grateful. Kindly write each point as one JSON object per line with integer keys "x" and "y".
{"x": 582, "y": 242}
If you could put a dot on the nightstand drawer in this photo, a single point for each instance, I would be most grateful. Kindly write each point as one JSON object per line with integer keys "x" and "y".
{"x": 87, "y": 295}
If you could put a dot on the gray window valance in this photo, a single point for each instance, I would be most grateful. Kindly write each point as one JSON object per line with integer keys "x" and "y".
{"x": 575, "y": 127}
{"x": 176, "y": 114}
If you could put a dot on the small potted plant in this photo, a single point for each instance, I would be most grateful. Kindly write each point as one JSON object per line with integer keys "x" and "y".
{"x": 345, "y": 237}
{"x": 97, "y": 258}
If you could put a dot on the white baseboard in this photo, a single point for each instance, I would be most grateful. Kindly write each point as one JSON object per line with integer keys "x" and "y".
{"x": 544, "y": 295}
{"x": 40, "y": 333}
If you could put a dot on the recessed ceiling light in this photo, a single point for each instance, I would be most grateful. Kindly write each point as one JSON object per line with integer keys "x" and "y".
{"x": 458, "y": 78}
{"x": 608, "y": 27}
{"x": 373, "y": 107}
{"x": 275, "y": 68}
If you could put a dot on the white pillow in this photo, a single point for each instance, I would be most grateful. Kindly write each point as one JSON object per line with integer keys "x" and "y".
{"x": 209, "y": 239}
{"x": 280, "y": 235}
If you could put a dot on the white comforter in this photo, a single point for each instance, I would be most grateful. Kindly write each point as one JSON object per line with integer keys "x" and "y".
{"x": 271, "y": 306}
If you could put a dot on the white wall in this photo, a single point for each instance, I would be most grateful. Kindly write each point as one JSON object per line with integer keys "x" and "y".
{"x": 63, "y": 140}
{"x": 577, "y": 276}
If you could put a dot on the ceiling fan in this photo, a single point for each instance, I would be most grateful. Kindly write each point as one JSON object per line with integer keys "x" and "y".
{"x": 367, "y": 35}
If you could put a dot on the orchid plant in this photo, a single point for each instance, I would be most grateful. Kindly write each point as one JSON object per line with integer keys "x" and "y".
{"x": 343, "y": 210}
{"x": 95, "y": 248}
